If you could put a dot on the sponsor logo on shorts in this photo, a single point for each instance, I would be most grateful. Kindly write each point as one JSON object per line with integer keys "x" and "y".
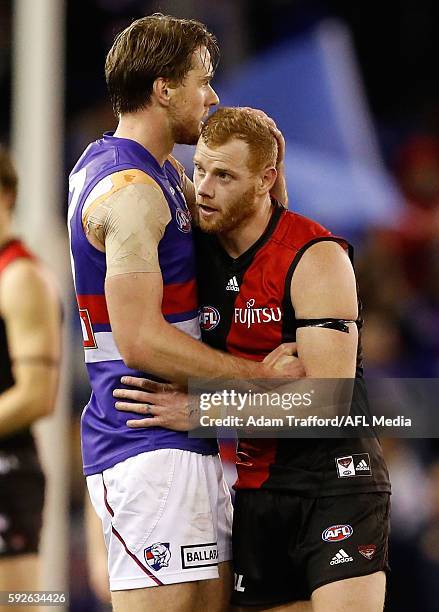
{"x": 209, "y": 317}
{"x": 158, "y": 555}
{"x": 199, "y": 555}
{"x": 367, "y": 550}
{"x": 337, "y": 533}
{"x": 353, "y": 465}
{"x": 341, "y": 557}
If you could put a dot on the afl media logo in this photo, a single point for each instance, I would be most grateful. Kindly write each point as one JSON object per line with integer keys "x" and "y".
{"x": 209, "y": 318}
{"x": 183, "y": 220}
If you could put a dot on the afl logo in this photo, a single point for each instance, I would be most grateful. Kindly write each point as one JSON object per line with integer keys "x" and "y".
{"x": 183, "y": 220}
{"x": 209, "y": 318}
{"x": 337, "y": 533}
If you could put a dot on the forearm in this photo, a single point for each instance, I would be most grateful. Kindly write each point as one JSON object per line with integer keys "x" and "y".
{"x": 21, "y": 405}
{"x": 171, "y": 354}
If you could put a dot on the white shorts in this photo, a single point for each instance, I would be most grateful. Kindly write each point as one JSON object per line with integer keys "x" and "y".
{"x": 167, "y": 518}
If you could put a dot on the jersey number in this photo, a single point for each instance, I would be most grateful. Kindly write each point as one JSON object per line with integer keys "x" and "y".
{"x": 87, "y": 330}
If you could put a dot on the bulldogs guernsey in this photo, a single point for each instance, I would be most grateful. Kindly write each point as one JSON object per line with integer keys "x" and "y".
{"x": 247, "y": 311}
{"x": 107, "y": 165}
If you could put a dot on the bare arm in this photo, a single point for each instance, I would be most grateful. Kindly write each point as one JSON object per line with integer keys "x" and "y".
{"x": 30, "y": 308}
{"x": 149, "y": 343}
{"x": 323, "y": 286}
{"x": 130, "y": 224}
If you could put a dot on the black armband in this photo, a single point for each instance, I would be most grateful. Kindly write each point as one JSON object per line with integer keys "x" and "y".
{"x": 340, "y": 325}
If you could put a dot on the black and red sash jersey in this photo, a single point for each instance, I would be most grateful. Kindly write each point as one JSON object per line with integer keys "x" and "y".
{"x": 246, "y": 310}
{"x": 10, "y": 252}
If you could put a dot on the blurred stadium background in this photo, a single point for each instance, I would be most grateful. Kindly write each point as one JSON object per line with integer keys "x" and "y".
{"x": 354, "y": 87}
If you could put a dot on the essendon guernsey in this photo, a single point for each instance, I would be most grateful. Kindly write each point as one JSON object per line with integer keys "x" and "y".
{"x": 246, "y": 310}
{"x": 9, "y": 253}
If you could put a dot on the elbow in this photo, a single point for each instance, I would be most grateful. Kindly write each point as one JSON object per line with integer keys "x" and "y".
{"x": 43, "y": 404}
{"x": 139, "y": 355}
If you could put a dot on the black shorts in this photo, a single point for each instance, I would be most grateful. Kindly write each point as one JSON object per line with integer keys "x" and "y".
{"x": 286, "y": 546}
{"x": 21, "y": 503}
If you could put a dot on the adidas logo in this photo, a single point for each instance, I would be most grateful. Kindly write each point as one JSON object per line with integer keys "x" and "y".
{"x": 362, "y": 466}
{"x": 232, "y": 284}
{"x": 341, "y": 557}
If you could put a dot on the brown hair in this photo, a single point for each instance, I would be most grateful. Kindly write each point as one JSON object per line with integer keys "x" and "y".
{"x": 152, "y": 47}
{"x": 234, "y": 122}
{"x": 8, "y": 174}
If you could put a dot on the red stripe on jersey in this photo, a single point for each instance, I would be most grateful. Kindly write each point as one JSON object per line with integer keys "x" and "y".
{"x": 11, "y": 251}
{"x": 258, "y": 310}
{"x": 96, "y": 307}
{"x": 254, "y": 458}
{"x": 179, "y": 297}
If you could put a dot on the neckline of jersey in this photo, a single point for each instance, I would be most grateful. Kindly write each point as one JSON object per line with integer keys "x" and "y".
{"x": 244, "y": 259}
{"x": 149, "y": 157}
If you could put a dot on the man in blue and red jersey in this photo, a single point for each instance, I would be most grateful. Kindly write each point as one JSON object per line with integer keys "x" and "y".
{"x": 160, "y": 494}
{"x": 311, "y": 517}
{"x": 30, "y": 331}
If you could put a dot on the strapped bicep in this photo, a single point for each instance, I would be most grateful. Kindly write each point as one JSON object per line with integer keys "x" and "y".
{"x": 131, "y": 223}
{"x": 324, "y": 297}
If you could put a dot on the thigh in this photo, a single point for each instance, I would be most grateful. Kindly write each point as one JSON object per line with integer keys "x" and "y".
{"x": 158, "y": 522}
{"x": 362, "y": 594}
{"x": 19, "y": 573}
{"x": 169, "y": 598}
{"x": 298, "y": 606}
{"x": 346, "y": 538}
{"x": 214, "y": 595}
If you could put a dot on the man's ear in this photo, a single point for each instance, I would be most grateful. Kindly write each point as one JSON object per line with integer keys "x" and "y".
{"x": 162, "y": 91}
{"x": 267, "y": 179}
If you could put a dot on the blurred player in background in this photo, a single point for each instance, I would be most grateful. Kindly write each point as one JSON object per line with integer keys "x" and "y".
{"x": 161, "y": 495}
{"x": 311, "y": 519}
{"x": 30, "y": 335}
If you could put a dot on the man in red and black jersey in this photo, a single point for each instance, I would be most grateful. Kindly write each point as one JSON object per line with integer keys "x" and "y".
{"x": 311, "y": 516}
{"x": 30, "y": 325}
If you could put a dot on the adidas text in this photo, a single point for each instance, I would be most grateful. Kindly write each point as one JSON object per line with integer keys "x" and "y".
{"x": 341, "y": 557}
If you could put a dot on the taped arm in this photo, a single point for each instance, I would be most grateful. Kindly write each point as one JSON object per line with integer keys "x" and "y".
{"x": 131, "y": 224}
{"x": 30, "y": 307}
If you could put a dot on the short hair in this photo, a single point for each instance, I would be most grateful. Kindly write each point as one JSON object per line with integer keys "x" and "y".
{"x": 8, "y": 174}
{"x": 233, "y": 122}
{"x": 152, "y": 47}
